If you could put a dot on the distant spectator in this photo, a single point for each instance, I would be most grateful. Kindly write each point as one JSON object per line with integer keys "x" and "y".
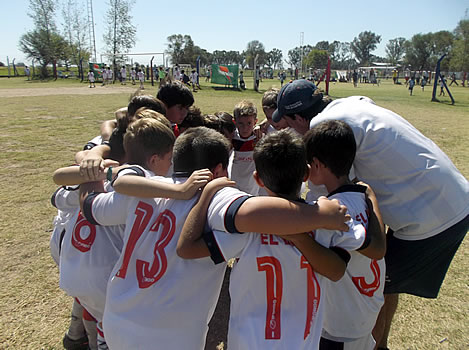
{"x": 27, "y": 72}
{"x": 453, "y": 80}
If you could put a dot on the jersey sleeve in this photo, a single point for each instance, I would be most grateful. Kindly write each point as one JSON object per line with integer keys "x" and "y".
{"x": 223, "y": 208}
{"x": 66, "y": 198}
{"x": 223, "y": 246}
{"x": 106, "y": 209}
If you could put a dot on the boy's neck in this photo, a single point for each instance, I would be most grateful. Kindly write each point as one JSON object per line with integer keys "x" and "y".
{"x": 334, "y": 183}
{"x": 290, "y": 197}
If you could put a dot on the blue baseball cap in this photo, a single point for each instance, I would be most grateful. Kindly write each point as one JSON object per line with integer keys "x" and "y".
{"x": 295, "y": 97}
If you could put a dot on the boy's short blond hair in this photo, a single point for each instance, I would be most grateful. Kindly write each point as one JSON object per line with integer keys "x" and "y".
{"x": 245, "y": 108}
{"x": 146, "y": 137}
{"x": 144, "y": 112}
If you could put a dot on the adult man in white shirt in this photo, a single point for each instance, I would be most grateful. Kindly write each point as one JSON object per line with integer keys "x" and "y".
{"x": 423, "y": 197}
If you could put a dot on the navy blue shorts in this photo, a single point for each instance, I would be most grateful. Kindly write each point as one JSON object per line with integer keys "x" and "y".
{"x": 419, "y": 267}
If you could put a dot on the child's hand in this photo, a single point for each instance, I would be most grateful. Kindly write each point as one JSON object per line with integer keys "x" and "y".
{"x": 335, "y": 214}
{"x": 217, "y": 184}
{"x": 370, "y": 194}
{"x": 258, "y": 132}
{"x": 198, "y": 179}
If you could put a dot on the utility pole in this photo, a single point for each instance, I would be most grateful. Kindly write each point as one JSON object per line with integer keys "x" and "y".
{"x": 89, "y": 4}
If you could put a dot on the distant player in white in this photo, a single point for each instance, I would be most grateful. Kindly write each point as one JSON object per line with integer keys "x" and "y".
{"x": 244, "y": 140}
{"x": 353, "y": 303}
{"x": 123, "y": 75}
{"x": 141, "y": 78}
{"x": 91, "y": 78}
{"x": 276, "y": 292}
{"x": 154, "y": 297}
{"x": 194, "y": 80}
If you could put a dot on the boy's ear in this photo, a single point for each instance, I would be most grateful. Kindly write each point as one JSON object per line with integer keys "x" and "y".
{"x": 308, "y": 170}
{"x": 258, "y": 179}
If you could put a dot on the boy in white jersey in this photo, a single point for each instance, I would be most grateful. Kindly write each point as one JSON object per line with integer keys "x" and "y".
{"x": 89, "y": 252}
{"x": 407, "y": 172}
{"x": 244, "y": 140}
{"x": 123, "y": 75}
{"x": 276, "y": 294}
{"x": 352, "y": 303}
{"x": 154, "y": 298}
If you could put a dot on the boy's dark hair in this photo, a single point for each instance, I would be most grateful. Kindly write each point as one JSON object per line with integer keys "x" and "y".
{"x": 280, "y": 159}
{"x": 199, "y": 148}
{"x": 146, "y": 137}
{"x": 138, "y": 101}
{"x": 193, "y": 118}
{"x": 269, "y": 100}
{"x": 226, "y": 120}
{"x": 211, "y": 121}
{"x": 175, "y": 93}
{"x": 332, "y": 142}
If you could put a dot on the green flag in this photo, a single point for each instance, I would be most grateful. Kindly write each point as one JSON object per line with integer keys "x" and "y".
{"x": 225, "y": 74}
{"x": 97, "y": 69}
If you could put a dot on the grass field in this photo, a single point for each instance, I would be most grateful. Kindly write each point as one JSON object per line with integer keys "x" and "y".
{"x": 41, "y": 132}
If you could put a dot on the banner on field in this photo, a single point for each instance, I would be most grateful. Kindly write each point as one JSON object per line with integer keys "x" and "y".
{"x": 97, "y": 69}
{"x": 225, "y": 74}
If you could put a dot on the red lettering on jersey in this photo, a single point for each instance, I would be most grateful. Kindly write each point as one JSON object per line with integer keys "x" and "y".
{"x": 313, "y": 295}
{"x": 369, "y": 289}
{"x": 146, "y": 275}
{"x": 362, "y": 218}
{"x": 272, "y": 241}
{"x": 264, "y": 239}
{"x": 143, "y": 213}
{"x": 83, "y": 244}
{"x": 274, "y": 284}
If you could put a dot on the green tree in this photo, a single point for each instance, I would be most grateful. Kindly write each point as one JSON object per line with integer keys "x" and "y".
{"x": 44, "y": 43}
{"x": 418, "y": 51}
{"x": 395, "y": 50}
{"x": 253, "y": 48}
{"x": 442, "y": 45}
{"x": 120, "y": 34}
{"x": 317, "y": 59}
{"x": 274, "y": 58}
{"x": 460, "y": 55}
{"x": 363, "y": 45}
{"x": 75, "y": 32}
{"x": 294, "y": 57}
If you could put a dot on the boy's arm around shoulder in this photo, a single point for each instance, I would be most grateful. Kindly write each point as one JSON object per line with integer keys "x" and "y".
{"x": 138, "y": 186}
{"x": 273, "y": 214}
{"x": 376, "y": 248}
{"x": 190, "y": 244}
{"x": 72, "y": 175}
{"x": 330, "y": 263}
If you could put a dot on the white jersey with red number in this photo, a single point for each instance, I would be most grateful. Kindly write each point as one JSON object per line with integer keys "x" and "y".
{"x": 353, "y": 302}
{"x": 88, "y": 255}
{"x": 277, "y": 300}
{"x": 155, "y": 298}
{"x": 65, "y": 199}
{"x": 243, "y": 164}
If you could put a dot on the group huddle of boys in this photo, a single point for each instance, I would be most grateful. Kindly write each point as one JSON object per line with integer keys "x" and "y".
{"x": 145, "y": 254}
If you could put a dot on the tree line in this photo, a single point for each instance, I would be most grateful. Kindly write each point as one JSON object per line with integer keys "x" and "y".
{"x": 47, "y": 44}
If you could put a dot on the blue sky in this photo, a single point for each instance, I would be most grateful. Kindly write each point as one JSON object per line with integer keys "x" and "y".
{"x": 220, "y": 25}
